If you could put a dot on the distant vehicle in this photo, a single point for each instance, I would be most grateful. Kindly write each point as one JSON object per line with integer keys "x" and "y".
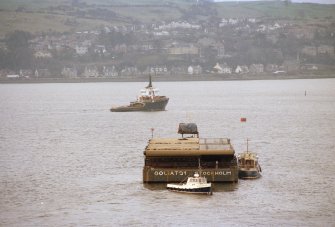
{"x": 14, "y": 76}
{"x": 279, "y": 72}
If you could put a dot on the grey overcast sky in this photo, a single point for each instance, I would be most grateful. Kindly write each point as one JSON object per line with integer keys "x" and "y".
{"x": 297, "y": 1}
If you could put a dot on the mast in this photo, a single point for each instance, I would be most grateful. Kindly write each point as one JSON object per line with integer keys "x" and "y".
{"x": 199, "y": 166}
{"x": 150, "y": 83}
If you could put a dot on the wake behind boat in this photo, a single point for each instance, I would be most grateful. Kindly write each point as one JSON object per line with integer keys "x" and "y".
{"x": 149, "y": 100}
{"x": 196, "y": 185}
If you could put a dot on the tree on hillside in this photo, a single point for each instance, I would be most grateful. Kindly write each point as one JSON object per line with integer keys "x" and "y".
{"x": 3, "y": 59}
{"x": 114, "y": 38}
{"x": 289, "y": 45}
{"x": 20, "y": 55}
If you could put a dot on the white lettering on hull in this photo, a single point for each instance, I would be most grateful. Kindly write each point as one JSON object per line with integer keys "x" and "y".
{"x": 216, "y": 173}
{"x": 170, "y": 173}
{"x": 184, "y": 173}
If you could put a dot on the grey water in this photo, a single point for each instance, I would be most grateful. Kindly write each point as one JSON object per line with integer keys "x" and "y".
{"x": 66, "y": 160}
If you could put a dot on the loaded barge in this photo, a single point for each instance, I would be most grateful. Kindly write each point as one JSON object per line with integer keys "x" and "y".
{"x": 175, "y": 159}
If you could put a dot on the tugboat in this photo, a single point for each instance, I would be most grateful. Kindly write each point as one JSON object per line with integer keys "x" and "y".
{"x": 149, "y": 100}
{"x": 249, "y": 167}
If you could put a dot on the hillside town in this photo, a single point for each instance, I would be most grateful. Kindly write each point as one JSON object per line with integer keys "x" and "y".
{"x": 219, "y": 46}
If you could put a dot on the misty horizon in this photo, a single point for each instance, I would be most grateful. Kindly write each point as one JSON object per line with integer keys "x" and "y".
{"x": 294, "y": 1}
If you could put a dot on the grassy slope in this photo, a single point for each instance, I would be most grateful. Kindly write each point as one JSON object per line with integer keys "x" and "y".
{"x": 154, "y": 10}
{"x": 30, "y": 4}
{"x": 275, "y": 10}
{"x": 38, "y": 4}
{"x": 39, "y": 22}
{"x": 148, "y": 14}
{"x": 26, "y": 21}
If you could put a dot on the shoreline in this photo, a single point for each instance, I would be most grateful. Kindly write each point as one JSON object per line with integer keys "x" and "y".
{"x": 168, "y": 78}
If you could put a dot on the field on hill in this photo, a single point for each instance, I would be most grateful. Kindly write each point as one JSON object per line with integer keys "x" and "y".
{"x": 40, "y": 4}
{"x": 49, "y": 15}
{"x": 275, "y": 10}
{"x": 43, "y": 22}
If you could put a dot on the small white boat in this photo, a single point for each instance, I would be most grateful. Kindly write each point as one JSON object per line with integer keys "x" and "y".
{"x": 195, "y": 184}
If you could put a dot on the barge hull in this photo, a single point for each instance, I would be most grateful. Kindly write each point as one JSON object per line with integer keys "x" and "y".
{"x": 167, "y": 175}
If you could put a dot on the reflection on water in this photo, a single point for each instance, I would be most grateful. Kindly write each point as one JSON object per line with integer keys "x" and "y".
{"x": 217, "y": 187}
{"x": 66, "y": 160}
{"x": 225, "y": 187}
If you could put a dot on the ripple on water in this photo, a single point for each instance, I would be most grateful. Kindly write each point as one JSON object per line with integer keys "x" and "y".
{"x": 66, "y": 160}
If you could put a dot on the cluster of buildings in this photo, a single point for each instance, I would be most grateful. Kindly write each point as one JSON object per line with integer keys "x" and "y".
{"x": 200, "y": 47}
{"x": 93, "y": 71}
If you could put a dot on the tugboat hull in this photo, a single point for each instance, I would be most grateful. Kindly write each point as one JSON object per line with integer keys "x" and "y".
{"x": 157, "y": 105}
{"x": 125, "y": 109}
{"x": 249, "y": 174}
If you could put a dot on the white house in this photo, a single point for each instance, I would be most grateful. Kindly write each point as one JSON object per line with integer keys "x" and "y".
{"x": 190, "y": 70}
{"x": 194, "y": 70}
{"x": 91, "y": 72}
{"x": 220, "y": 50}
{"x": 69, "y": 72}
{"x": 109, "y": 71}
{"x": 100, "y": 49}
{"x": 217, "y": 69}
{"x": 256, "y": 68}
{"x": 158, "y": 70}
{"x": 130, "y": 71}
{"x": 226, "y": 69}
{"x": 81, "y": 50}
{"x": 241, "y": 69}
{"x": 223, "y": 22}
{"x": 42, "y": 54}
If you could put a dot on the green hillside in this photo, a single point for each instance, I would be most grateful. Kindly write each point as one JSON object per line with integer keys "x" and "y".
{"x": 275, "y": 10}
{"x": 51, "y": 15}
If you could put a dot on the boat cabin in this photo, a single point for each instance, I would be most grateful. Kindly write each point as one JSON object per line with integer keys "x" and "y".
{"x": 249, "y": 167}
{"x": 149, "y": 92}
{"x": 196, "y": 180}
{"x": 248, "y": 160}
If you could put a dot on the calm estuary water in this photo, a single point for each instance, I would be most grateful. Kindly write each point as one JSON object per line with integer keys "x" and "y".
{"x": 65, "y": 160}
